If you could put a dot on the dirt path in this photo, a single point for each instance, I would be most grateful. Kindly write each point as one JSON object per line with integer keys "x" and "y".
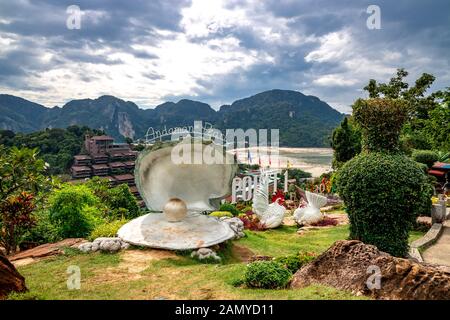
{"x": 439, "y": 253}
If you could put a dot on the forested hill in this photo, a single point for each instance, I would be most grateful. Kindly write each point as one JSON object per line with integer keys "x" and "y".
{"x": 304, "y": 121}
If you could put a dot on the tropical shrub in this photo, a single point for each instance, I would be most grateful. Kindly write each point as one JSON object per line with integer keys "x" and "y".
{"x": 220, "y": 214}
{"x": 43, "y": 231}
{"x": 107, "y": 229}
{"x": 251, "y": 221}
{"x": 230, "y": 208}
{"x": 15, "y": 220}
{"x": 383, "y": 190}
{"x": 427, "y": 157}
{"x": 75, "y": 211}
{"x": 267, "y": 275}
{"x": 120, "y": 202}
{"x": 21, "y": 180}
{"x": 121, "y": 197}
{"x": 294, "y": 262}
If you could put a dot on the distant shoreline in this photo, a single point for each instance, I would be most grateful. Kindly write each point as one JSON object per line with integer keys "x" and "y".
{"x": 313, "y": 160}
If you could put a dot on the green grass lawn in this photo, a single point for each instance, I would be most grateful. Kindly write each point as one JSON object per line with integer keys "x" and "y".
{"x": 111, "y": 276}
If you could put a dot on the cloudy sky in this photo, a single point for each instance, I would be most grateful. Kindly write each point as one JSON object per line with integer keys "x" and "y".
{"x": 216, "y": 51}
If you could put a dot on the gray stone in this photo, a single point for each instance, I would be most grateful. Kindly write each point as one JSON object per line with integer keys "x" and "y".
{"x": 204, "y": 254}
{"x": 95, "y": 247}
{"x": 85, "y": 247}
{"x": 236, "y": 225}
{"x": 104, "y": 244}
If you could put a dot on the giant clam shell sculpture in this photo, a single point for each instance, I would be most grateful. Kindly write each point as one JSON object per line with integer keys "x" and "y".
{"x": 200, "y": 186}
{"x": 159, "y": 178}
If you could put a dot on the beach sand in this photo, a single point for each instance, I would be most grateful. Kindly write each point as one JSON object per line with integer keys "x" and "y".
{"x": 313, "y": 160}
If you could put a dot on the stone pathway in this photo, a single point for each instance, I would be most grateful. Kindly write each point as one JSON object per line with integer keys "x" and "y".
{"x": 439, "y": 253}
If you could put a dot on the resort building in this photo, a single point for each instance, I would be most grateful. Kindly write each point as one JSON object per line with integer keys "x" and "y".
{"x": 104, "y": 158}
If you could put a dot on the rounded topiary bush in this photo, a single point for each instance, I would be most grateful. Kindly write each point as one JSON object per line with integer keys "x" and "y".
{"x": 427, "y": 157}
{"x": 383, "y": 189}
{"x": 267, "y": 275}
{"x": 383, "y": 194}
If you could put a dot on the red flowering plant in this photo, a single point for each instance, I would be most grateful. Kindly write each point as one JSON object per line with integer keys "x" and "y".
{"x": 251, "y": 221}
{"x": 278, "y": 195}
{"x": 15, "y": 219}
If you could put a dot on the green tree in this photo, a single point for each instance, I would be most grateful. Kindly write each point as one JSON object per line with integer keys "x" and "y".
{"x": 418, "y": 104}
{"x": 346, "y": 143}
{"x": 56, "y": 146}
{"x": 427, "y": 125}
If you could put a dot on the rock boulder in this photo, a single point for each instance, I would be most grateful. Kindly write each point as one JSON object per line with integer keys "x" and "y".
{"x": 355, "y": 266}
{"x": 10, "y": 278}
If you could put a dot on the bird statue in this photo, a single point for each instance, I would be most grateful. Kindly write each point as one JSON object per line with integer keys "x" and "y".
{"x": 311, "y": 213}
{"x": 270, "y": 215}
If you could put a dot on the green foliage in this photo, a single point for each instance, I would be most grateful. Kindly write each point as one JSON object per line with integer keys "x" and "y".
{"x": 230, "y": 208}
{"x": 21, "y": 171}
{"x": 346, "y": 143}
{"x": 119, "y": 198}
{"x": 44, "y": 231}
{"x": 267, "y": 275}
{"x": 427, "y": 157}
{"x": 99, "y": 187}
{"x": 296, "y": 174}
{"x": 437, "y": 128}
{"x": 381, "y": 121}
{"x": 417, "y": 103}
{"x": 443, "y": 156}
{"x": 107, "y": 229}
{"x": 56, "y": 146}
{"x": 15, "y": 220}
{"x": 220, "y": 214}
{"x": 428, "y": 125}
{"x": 294, "y": 262}
{"x": 383, "y": 194}
{"x": 21, "y": 180}
{"x": 120, "y": 202}
{"x": 75, "y": 211}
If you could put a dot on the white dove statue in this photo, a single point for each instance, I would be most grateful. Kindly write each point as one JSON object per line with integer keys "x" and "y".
{"x": 270, "y": 215}
{"x": 311, "y": 213}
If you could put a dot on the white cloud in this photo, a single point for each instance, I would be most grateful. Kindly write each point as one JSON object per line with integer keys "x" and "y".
{"x": 336, "y": 80}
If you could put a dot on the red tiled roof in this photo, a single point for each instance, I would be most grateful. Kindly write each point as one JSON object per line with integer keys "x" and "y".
{"x": 99, "y": 155}
{"x": 80, "y": 168}
{"x": 122, "y": 177}
{"x": 102, "y": 138}
{"x": 100, "y": 166}
{"x": 117, "y": 164}
{"x": 82, "y": 157}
